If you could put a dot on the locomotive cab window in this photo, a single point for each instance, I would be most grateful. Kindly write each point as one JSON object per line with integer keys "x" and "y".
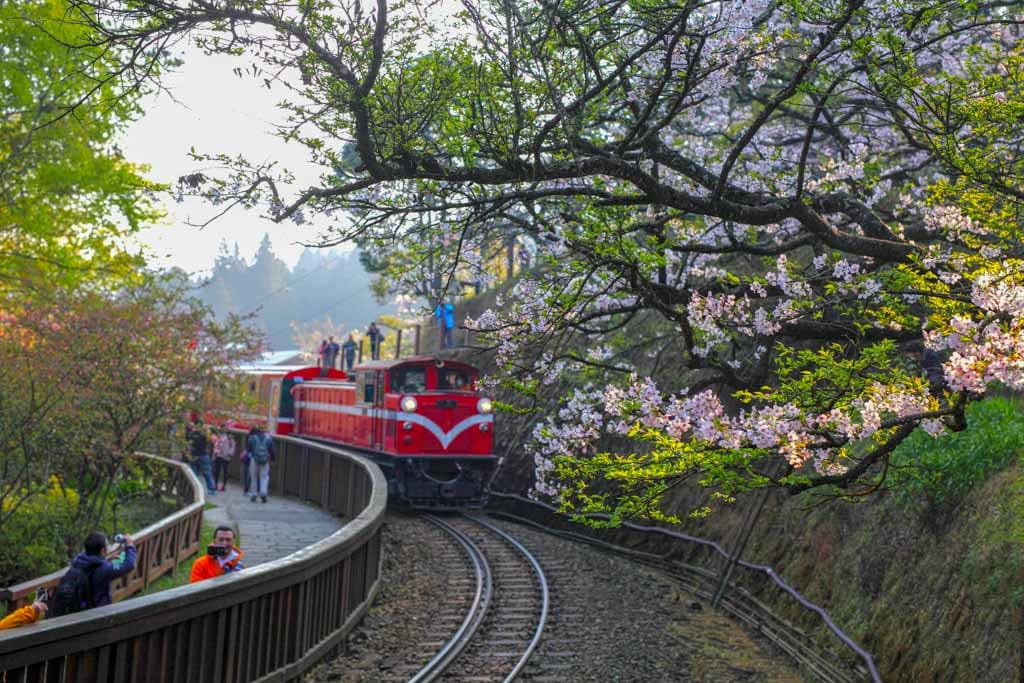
{"x": 409, "y": 380}
{"x": 364, "y": 387}
{"x": 450, "y": 379}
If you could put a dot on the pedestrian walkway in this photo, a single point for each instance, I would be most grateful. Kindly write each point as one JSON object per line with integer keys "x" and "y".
{"x": 269, "y": 531}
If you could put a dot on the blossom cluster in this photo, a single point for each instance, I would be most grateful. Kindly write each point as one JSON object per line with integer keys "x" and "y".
{"x": 989, "y": 348}
{"x": 802, "y": 438}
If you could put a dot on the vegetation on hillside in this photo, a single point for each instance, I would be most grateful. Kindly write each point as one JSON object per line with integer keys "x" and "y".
{"x": 92, "y": 378}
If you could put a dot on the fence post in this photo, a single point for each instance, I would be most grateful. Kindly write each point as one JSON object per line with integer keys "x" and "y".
{"x": 398, "y": 345}
{"x": 360, "y": 351}
{"x": 416, "y": 340}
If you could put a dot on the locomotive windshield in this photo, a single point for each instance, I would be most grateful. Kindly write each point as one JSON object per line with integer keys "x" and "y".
{"x": 451, "y": 379}
{"x": 409, "y": 380}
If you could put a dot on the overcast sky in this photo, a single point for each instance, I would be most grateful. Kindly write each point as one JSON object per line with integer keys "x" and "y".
{"x": 215, "y": 111}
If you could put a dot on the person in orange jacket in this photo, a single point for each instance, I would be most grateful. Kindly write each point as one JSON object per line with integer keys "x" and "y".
{"x": 222, "y": 557}
{"x": 24, "y": 616}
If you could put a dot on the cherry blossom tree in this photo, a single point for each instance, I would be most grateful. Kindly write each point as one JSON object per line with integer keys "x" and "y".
{"x": 815, "y": 205}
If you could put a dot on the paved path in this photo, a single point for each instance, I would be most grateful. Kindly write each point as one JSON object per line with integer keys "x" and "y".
{"x": 270, "y": 530}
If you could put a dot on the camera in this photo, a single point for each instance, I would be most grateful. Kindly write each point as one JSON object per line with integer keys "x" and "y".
{"x": 41, "y": 595}
{"x": 217, "y": 550}
{"x": 118, "y": 538}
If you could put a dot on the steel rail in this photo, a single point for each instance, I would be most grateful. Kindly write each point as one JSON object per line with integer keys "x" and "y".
{"x": 474, "y": 615}
{"x": 545, "y": 595}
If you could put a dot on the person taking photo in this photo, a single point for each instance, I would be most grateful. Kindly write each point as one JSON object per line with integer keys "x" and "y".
{"x": 222, "y": 557}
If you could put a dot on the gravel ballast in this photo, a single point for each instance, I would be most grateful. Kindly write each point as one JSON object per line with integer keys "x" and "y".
{"x": 611, "y": 619}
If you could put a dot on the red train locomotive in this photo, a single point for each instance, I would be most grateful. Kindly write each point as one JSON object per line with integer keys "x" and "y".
{"x": 420, "y": 418}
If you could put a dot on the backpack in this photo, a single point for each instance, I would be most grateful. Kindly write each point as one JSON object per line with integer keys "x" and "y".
{"x": 73, "y": 593}
{"x": 260, "y": 452}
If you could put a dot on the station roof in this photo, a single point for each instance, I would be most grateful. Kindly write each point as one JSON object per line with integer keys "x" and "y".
{"x": 283, "y": 361}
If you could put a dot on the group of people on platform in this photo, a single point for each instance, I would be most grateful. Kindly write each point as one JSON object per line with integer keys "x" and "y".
{"x": 330, "y": 351}
{"x": 210, "y": 453}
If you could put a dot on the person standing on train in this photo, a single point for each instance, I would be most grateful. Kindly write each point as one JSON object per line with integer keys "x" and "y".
{"x": 349, "y": 349}
{"x": 320, "y": 353}
{"x": 376, "y": 337}
{"x": 261, "y": 453}
{"x": 330, "y": 356}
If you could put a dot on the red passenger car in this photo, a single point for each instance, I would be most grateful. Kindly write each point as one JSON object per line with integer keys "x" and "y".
{"x": 421, "y": 419}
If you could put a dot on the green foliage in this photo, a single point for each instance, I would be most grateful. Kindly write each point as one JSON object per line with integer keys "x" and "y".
{"x": 100, "y": 378}
{"x": 944, "y": 469}
{"x": 32, "y": 539}
{"x": 45, "y": 531}
{"x": 69, "y": 201}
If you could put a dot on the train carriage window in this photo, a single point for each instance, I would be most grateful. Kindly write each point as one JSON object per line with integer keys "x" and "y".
{"x": 366, "y": 380}
{"x": 409, "y": 380}
{"x": 452, "y": 379}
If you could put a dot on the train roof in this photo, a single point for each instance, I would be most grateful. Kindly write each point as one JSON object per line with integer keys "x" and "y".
{"x": 412, "y": 360}
{"x": 315, "y": 373}
{"x": 268, "y": 369}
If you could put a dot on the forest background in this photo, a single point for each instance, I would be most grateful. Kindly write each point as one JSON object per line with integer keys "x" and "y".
{"x": 326, "y": 292}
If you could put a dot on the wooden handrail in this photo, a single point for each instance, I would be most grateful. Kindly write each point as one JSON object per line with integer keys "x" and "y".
{"x": 270, "y": 622}
{"x": 161, "y": 546}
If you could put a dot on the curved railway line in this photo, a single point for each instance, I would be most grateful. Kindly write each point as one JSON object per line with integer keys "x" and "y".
{"x": 507, "y": 614}
{"x": 466, "y": 605}
{"x": 491, "y": 608}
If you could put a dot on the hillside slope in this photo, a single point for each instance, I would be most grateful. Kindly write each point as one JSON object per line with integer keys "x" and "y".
{"x": 934, "y": 592}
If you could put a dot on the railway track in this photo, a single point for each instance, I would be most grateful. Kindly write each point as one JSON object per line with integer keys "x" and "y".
{"x": 460, "y": 603}
{"x": 489, "y": 606}
{"x": 506, "y": 615}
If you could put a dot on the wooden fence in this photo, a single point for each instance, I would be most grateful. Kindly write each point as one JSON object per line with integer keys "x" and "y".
{"x": 161, "y": 546}
{"x": 825, "y": 654}
{"x": 267, "y": 623}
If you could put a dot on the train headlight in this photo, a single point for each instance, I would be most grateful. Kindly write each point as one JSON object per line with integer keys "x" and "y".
{"x": 484, "y": 406}
{"x": 409, "y": 404}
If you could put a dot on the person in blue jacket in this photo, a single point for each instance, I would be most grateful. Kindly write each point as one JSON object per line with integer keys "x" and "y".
{"x": 99, "y": 569}
{"x": 445, "y": 314}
